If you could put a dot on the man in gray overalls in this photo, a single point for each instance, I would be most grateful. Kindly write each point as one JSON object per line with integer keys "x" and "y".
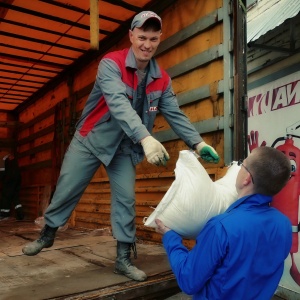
{"x": 115, "y": 130}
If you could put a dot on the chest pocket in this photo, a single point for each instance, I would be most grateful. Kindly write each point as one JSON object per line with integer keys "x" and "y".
{"x": 153, "y": 103}
{"x": 153, "y": 108}
{"x": 152, "y": 112}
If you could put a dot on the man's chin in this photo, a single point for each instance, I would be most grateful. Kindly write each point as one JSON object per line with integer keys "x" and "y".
{"x": 144, "y": 59}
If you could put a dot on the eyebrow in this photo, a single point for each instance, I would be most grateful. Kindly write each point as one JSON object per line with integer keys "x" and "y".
{"x": 143, "y": 35}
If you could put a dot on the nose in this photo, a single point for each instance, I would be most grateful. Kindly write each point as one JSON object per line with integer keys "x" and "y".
{"x": 147, "y": 44}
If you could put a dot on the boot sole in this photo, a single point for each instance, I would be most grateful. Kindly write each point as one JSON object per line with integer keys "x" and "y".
{"x": 116, "y": 271}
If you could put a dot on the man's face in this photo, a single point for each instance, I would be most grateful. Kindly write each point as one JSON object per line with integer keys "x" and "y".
{"x": 244, "y": 175}
{"x": 240, "y": 179}
{"x": 144, "y": 44}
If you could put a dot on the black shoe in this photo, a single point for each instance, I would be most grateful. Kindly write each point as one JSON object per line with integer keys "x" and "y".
{"x": 46, "y": 240}
{"x": 19, "y": 213}
{"x": 4, "y": 215}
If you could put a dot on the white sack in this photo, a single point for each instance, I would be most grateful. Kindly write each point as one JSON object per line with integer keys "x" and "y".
{"x": 193, "y": 198}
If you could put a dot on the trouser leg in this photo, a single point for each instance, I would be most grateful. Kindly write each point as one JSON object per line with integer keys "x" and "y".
{"x": 10, "y": 196}
{"x": 5, "y": 204}
{"x": 15, "y": 198}
{"x": 121, "y": 173}
{"x": 7, "y": 195}
{"x": 79, "y": 166}
{"x": 19, "y": 214}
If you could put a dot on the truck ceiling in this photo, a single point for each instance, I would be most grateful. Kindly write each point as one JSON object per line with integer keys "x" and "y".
{"x": 43, "y": 41}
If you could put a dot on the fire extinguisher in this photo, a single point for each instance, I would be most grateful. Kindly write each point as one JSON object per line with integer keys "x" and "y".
{"x": 287, "y": 200}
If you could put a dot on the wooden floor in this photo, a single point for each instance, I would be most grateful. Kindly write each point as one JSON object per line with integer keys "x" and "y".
{"x": 79, "y": 266}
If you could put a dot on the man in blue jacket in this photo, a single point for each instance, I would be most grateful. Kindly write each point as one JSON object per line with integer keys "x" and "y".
{"x": 115, "y": 130}
{"x": 238, "y": 254}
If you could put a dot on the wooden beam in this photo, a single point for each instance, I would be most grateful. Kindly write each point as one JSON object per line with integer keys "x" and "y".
{"x": 94, "y": 24}
{"x": 10, "y": 124}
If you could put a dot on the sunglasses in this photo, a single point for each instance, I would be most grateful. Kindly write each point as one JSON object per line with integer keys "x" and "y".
{"x": 240, "y": 163}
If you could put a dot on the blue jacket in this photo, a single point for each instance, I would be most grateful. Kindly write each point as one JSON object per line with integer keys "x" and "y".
{"x": 109, "y": 114}
{"x": 238, "y": 255}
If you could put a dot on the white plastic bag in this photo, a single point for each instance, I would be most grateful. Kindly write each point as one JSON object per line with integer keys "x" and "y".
{"x": 193, "y": 198}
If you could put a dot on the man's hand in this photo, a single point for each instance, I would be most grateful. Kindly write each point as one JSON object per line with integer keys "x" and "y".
{"x": 207, "y": 153}
{"x": 155, "y": 152}
{"x": 161, "y": 228}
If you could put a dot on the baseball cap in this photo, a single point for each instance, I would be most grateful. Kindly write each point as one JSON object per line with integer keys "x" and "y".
{"x": 139, "y": 20}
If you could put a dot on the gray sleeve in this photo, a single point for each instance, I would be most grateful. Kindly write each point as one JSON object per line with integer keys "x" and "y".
{"x": 178, "y": 121}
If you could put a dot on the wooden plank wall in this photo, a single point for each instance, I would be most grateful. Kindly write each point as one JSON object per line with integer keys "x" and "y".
{"x": 190, "y": 51}
{"x": 8, "y": 130}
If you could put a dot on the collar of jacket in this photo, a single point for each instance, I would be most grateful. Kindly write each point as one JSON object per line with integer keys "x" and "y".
{"x": 254, "y": 199}
{"x": 154, "y": 69}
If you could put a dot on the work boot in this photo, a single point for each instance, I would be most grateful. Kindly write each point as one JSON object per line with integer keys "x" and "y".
{"x": 19, "y": 212}
{"x": 124, "y": 265}
{"x": 46, "y": 240}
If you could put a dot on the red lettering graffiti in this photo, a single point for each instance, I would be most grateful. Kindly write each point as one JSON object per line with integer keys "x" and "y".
{"x": 274, "y": 99}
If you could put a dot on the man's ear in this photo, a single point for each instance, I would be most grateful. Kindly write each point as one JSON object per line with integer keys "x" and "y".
{"x": 247, "y": 179}
{"x": 130, "y": 33}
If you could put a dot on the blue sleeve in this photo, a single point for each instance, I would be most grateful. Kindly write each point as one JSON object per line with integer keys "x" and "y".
{"x": 195, "y": 267}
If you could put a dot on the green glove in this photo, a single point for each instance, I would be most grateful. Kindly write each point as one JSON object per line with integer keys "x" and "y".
{"x": 207, "y": 153}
